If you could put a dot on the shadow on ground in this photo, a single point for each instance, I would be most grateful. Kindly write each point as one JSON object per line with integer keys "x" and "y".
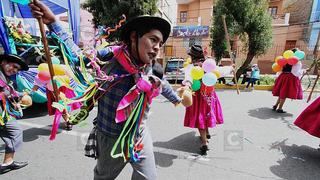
{"x": 36, "y": 110}
{"x": 34, "y": 133}
{"x": 266, "y": 113}
{"x": 187, "y": 142}
{"x": 299, "y": 162}
{"x": 164, "y": 159}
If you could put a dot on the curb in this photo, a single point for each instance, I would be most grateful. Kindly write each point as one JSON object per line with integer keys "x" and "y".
{"x": 241, "y": 87}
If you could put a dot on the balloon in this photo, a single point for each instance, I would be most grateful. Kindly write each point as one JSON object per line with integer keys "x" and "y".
{"x": 185, "y": 64}
{"x": 217, "y": 73}
{"x": 282, "y": 62}
{"x": 277, "y": 58}
{"x": 209, "y": 79}
{"x": 206, "y": 89}
{"x": 293, "y": 60}
{"x": 197, "y": 73}
{"x": 55, "y": 60}
{"x": 58, "y": 69}
{"x": 300, "y": 54}
{"x": 43, "y": 67}
{"x": 188, "y": 60}
{"x": 276, "y": 67}
{"x": 196, "y": 85}
{"x": 288, "y": 54}
{"x": 209, "y": 65}
{"x": 44, "y": 75}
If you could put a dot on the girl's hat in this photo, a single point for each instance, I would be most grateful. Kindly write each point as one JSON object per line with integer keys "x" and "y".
{"x": 196, "y": 51}
{"x": 145, "y": 22}
{"x": 15, "y": 59}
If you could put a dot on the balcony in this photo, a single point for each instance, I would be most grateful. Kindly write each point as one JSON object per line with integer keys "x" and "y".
{"x": 189, "y": 21}
{"x": 280, "y": 19}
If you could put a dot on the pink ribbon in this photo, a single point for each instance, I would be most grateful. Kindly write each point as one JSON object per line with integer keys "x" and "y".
{"x": 126, "y": 104}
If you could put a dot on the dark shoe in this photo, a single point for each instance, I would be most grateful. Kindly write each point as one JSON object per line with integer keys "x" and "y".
{"x": 203, "y": 149}
{"x": 280, "y": 111}
{"x": 68, "y": 127}
{"x": 208, "y": 136}
{"x": 13, "y": 166}
{"x": 274, "y": 108}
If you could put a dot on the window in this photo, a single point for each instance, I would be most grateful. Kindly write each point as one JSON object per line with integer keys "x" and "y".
{"x": 193, "y": 41}
{"x": 168, "y": 50}
{"x": 183, "y": 16}
{"x": 273, "y": 10}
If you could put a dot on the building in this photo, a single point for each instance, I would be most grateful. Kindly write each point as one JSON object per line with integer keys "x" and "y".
{"x": 194, "y": 18}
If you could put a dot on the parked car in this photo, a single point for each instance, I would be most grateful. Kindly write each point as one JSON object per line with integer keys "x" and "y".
{"x": 174, "y": 71}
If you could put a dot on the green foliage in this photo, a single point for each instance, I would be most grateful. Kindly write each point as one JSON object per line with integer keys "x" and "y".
{"x": 267, "y": 80}
{"x": 243, "y": 17}
{"x": 108, "y": 12}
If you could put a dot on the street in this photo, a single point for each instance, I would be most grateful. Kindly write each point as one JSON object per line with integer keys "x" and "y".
{"x": 253, "y": 143}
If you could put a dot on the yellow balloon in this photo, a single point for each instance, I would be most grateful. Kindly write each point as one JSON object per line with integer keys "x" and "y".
{"x": 217, "y": 73}
{"x": 288, "y": 54}
{"x": 58, "y": 69}
{"x": 185, "y": 64}
{"x": 188, "y": 60}
{"x": 197, "y": 73}
{"x": 43, "y": 67}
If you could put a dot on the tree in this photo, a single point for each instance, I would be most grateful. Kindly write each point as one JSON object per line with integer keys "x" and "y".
{"x": 248, "y": 18}
{"x": 109, "y": 12}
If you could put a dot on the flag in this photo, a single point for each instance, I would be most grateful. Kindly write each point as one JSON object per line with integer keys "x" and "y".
{"x": 23, "y": 2}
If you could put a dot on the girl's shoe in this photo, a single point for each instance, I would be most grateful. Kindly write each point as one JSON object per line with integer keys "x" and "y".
{"x": 280, "y": 111}
{"x": 274, "y": 108}
{"x": 208, "y": 136}
{"x": 204, "y": 149}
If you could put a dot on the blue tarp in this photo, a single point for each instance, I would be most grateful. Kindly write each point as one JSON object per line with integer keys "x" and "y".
{"x": 23, "y": 11}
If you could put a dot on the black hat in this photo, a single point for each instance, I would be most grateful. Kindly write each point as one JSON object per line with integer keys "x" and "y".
{"x": 196, "y": 51}
{"x": 16, "y": 59}
{"x": 145, "y": 22}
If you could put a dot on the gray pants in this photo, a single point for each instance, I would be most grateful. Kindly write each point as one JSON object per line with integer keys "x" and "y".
{"x": 108, "y": 168}
{"x": 11, "y": 134}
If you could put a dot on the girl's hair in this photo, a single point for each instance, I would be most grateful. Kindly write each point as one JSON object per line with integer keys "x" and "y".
{"x": 287, "y": 68}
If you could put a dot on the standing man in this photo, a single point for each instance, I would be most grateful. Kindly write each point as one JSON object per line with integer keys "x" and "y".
{"x": 142, "y": 39}
{"x": 10, "y": 131}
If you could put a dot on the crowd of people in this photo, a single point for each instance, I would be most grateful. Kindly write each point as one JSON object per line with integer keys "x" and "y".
{"x": 134, "y": 63}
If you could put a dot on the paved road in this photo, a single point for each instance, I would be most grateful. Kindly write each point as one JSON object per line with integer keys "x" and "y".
{"x": 254, "y": 143}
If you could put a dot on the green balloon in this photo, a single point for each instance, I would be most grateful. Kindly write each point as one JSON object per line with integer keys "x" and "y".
{"x": 196, "y": 85}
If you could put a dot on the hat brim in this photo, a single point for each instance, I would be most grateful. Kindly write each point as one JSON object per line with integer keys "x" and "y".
{"x": 16, "y": 59}
{"x": 145, "y": 22}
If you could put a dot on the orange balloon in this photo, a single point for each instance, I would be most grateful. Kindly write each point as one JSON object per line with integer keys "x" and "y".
{"x": 276, "y": 67}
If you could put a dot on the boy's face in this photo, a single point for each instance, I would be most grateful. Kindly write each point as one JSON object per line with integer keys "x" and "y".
{"x": 148, "y": 47}
{"x": 10, "y": 68}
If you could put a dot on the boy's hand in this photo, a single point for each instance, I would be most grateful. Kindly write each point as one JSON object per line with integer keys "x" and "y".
{"x": 40, "y": 10}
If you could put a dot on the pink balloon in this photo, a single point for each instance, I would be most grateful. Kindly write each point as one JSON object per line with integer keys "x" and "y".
{"x": 209, "y": 65}
{"x": 44, "y": 75}
{"x": 282, "y": 62}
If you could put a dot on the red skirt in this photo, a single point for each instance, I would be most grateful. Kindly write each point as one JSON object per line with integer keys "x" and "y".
{"x": 309, "y": 119}
{"x": 287, "y": 85}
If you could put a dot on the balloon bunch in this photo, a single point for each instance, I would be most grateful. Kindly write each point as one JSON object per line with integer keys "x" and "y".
{"x": 203, "y": 78}
{"x": 43, "y": 77}
{"x": 291, "y": 58}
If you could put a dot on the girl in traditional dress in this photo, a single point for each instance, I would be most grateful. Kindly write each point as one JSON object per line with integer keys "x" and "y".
{"x": 287, "y": 85}
{"x": 205, "y": 111}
